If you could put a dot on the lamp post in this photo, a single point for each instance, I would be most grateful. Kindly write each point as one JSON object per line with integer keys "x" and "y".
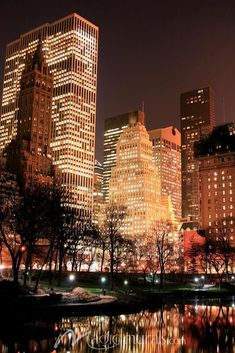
{"x": 103, "y": 281}
{"x": 125, "y": 284}
{"x": 72, "y": 277}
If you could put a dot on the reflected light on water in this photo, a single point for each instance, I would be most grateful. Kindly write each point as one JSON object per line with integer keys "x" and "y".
{"x": 179, "y": 328}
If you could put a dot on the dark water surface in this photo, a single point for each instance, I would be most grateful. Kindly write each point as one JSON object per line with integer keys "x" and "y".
{"x": 206, "y": 327}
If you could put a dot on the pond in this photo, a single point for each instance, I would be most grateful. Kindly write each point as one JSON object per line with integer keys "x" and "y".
{"x": 195, "y": 327}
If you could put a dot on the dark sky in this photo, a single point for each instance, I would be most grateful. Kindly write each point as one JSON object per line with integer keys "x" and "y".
{"x": 149, "y": 51}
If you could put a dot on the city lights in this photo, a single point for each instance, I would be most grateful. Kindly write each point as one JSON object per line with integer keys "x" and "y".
{"x": 103, "y": 280}
{"x": 72, "y": 277}
{"x": 74, "y": 102}
{"x": 117, "y": 223}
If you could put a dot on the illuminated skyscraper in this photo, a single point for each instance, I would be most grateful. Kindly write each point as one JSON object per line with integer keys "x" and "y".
{"x": 167, "y": 157}
{"x": 216, "y": 156}
{"x": 71, "y": 50}
{"x": 113, "y": 127}
{"x": 135, "y": 184}
{"x": 29, "y": 154}
{"x": 197, "y": 111}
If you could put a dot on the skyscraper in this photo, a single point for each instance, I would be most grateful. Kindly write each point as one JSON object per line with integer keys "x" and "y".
{"x": 71, "y": 50}
{"x": 167, "y": 157}
{"x": 197, "y": 113}
{"x": 135, "y": 184}
{"x": 216, "y": 156}
{"x": 113, "y": 127}
{"x": 29, "y": 154}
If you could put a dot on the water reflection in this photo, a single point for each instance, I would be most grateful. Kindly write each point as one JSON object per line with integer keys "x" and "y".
{"x": 180, "y": 328}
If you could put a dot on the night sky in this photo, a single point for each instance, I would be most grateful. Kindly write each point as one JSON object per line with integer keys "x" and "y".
{"x": 149, "y": 51}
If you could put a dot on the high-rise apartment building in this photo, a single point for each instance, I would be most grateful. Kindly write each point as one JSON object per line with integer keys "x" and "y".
{"x": 28, "y": 155}
{"x": 135, "y": 184}
{"x": 216, "y": 156}
{"x": 113, "y": 127}
{"x": 167, "y": 157}
{"x": 71, "y": 50}
{"x": 197, "y": 114}
{"x": 98, "y": 191}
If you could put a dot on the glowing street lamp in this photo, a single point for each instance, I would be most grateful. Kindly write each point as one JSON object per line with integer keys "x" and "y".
{"x": 103, "y": 280}
{"x": 196, "y": 279}
{"x": 72, "y": 277}
{"x": 125, "y": 282}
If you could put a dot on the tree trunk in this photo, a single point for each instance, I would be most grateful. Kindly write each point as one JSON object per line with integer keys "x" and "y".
{"x": 161, "y": 279}
{"x": 41, "y": 269}
{"x": 144, "y": 273}
{"x": 60, "y": 268}
{"x": 15, "y": 275}
{"x": 111, "y": 264}
{"x": 102, "y": 259}
{"x": 27, "y": 264}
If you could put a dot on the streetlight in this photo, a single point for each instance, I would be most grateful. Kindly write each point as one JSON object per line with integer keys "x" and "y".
{"x": 202, "y": 277}
{"x": 125, "y": 284}
{"x": 72, "y": 277}
{"x": 103, "y": 280}
{"x": 196, "y": 279}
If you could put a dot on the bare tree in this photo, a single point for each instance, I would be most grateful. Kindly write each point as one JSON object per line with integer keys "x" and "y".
{"x": 112, "y": 229}
{"x": 217, "y": 254}
{"x": 23, "y": 221}
{"x": 164, "y": 249}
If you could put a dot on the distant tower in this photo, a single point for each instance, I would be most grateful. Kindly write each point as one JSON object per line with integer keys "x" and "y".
{"x": 167, "y": 157}
{"x": 197, "y": 114}
{"x": 135, "y": 184}
{"x": 29, "y": 154}
{"x": 113, "y": 127}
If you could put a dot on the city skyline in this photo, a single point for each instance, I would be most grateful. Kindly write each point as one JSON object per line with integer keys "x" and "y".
{"x": 138, "y": 246}
{"x": 180, "y": 60}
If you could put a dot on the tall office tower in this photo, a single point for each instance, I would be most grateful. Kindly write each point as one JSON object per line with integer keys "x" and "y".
{"x": 71, "y": 51}
{"x": 216, "y": 156}
{"x": 113, "y": 127}
{"x": 197, "y": 111}
{"x": 134, "y": 183}
{"x": 98, "y": 197}
{"x": 29, "y": 154}
{"x": 167, "y": 157}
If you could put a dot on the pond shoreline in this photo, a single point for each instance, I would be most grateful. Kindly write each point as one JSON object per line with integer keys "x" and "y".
{"x": 128, "y": 303}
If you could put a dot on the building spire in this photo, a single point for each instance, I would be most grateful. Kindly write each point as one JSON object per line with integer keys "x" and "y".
{"x": 38, "y": 56}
